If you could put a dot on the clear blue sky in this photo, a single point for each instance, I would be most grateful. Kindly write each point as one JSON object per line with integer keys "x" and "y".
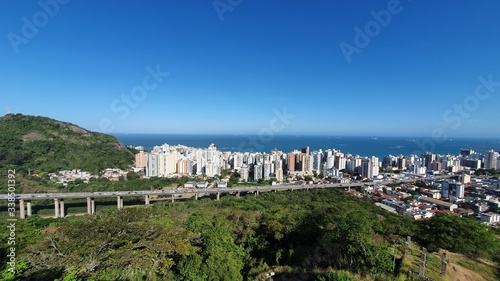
{"x": 229, "y": 74}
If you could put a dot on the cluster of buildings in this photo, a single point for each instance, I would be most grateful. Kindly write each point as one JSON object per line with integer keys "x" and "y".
{"x": 114, "y": 174}
{"x": 474, "y": 196}
{"x": 428, "y": 163}
{"x": 179, "y": 160}
{"x": 461, "y": 192}
{"x": 66, "y": 176}
{"x": 425, "y": 202}
{"x": 449, "y": 183}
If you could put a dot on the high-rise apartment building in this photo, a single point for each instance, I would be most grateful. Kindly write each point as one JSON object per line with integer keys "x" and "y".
{"x": 257, "y": 172}
{"x": 317, "y": 159}
{"x": 279, "y": 171}
{"x": 152, "y": 165}
{"x": 491, "y": 160}
{"x": 291, "y": 162}
{"x": 244, "y": 172}
{"x": 307, "y": 164}
{"x": 140, "y": 160}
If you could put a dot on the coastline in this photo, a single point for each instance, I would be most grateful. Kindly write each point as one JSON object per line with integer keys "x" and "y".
{"x": 355, "y": 145}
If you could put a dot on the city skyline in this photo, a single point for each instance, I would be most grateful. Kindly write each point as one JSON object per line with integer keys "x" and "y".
{"x": 391, "y": 68}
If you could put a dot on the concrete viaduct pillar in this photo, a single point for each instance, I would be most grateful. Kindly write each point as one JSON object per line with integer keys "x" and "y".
{"x": 21, "y": 209}
{"x": 62, "y": 208}
{"x": 56, "y": 208}
{"x": 146, "y": 200}
{"x": 28, "y": 209}
{"x": 218, "y": 196}
{"x": 90, "y": 206}
{"x": 119, "y": 202}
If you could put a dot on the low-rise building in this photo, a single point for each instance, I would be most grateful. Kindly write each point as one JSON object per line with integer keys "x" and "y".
{"x": 419, "y": 214}
{"x": 490, "y": 217}
{"x": 222, "y": 184}
{"x": 387, "y": 208}
{"x": 399, "y": 206}
{"x": 439, "y": 203}
{"x": 202, "y": 184}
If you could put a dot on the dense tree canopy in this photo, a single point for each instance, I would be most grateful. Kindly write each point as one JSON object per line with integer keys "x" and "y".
{"x": 46, "y": 145}
{"x": 458, "y": 234}
{"x": 235, "y": 239}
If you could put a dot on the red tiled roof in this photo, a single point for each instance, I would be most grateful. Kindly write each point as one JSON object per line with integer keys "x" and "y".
{"x": 443, "y": 212}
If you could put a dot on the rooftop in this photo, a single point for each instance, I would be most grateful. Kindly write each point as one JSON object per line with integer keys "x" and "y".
{"x": 436, "y": 201}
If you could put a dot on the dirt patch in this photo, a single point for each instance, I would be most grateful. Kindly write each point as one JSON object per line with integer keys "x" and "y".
{"x": 463, "y": 268}
{"x": 456, "y": 272}
{"x": 33, "y": 136}
{"x": 79, "y": 130}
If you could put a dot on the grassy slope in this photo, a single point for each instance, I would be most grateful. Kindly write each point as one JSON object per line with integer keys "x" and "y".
{"x": 460, "y": 267}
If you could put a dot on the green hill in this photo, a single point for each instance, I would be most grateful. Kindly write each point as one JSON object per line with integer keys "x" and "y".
{"x": 46, "y": 145}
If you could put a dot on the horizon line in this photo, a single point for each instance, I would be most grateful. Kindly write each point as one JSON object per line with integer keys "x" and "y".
{"x": 306, "y": 135}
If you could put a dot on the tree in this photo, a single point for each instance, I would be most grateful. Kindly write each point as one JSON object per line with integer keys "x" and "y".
{"x": 346, "y": 236}
{"x": 457, "y": 234}
{"x": 234, "y": 179}
{"x": 222, "y": 258}
{"x": 190, "y": 268}
{"x": 19, "y": 268}
{"x": 134, "y": 239}
{"x": 132, "y": 176}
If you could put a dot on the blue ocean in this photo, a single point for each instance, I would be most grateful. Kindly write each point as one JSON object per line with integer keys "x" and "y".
{"x": 363, "y": 146}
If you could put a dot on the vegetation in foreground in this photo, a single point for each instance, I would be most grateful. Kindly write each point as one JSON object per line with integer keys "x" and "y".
{"x": 307, "y": 235}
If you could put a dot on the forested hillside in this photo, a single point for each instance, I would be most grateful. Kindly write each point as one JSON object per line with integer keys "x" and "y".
{"x": 299, "y": 235}
{"x": 41, "y": 144}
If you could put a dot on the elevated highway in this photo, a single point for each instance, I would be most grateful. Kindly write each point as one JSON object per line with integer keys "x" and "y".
{"x": 24, "y": 200}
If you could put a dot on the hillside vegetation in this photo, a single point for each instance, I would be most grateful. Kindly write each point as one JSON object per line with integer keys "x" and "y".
{"x": 300, "y": 235}
{"x": 41, "y": 144}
